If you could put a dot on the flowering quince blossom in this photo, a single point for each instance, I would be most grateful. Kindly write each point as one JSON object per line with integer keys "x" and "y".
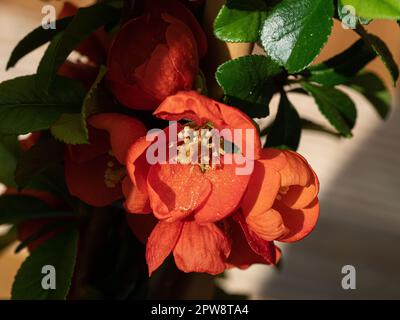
{"x": 281, "y": 200}
{"x": 210, "y": 217}
{"x": 188, "y": 199}
{"x": 96, "y": 172}
{"x": 155, "y": 55}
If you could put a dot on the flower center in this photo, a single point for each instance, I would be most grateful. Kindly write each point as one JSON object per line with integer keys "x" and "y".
{"x": 114, "y": 174}
{"x": 199, "y": 146}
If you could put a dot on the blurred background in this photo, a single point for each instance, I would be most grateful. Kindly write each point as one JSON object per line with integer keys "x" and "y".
{"x": 360, "y": 187}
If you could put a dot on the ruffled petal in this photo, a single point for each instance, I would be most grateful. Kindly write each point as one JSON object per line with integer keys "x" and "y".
{"x": 201, "y": 248}
{"x": 161, "y": 242}
{"x": 176, "y": 190}
{"x": 262, "y": 189}
{"x": 123, "y": 131}
{"x": 298, "y": 222}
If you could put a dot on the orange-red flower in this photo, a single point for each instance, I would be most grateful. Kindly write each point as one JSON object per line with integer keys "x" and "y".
{"x": 188, "y": 199}
{"x": 95, "y": 172}
{"x": 155, "y": 55}
{"x": 281, "y": 201}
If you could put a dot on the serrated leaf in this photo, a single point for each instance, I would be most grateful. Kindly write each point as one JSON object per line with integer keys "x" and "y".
{"x": 373, "y": 88}
{"x": 295, "y": 32}
{"x": 344, "y": 66}
{"x": 16, "y": 208}
{"x": 248, "y": 83}
{"x": 382, "y": 51}
{"x": 286, "y": 130}
{"x": 335, "y": 105}
{"x": 69, "y": 129}
{"x": 240, "y": 20}
{"x": 86, "y": 21}
{"x": 23, "y": 109}
{"x": 60, "y": 253}
{"x": 375, "y": 9}
{"x": 310, "y": 125}
{"x": 35, "y": 39}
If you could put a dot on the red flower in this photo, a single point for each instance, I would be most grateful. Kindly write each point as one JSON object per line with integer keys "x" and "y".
{"x": 187, "y": 198}
{"x": 281, "y": 200}
{"x": 155, "y": 55}
{"x": 95, "y": 172}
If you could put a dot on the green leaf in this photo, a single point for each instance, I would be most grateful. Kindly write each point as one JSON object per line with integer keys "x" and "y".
{"x": 295, "y": 32}
{"x": 248, "y": 83}
{"x": 286, "y": 130}
{"x": 9, "y": 152}
{"x": 24, "y": 110}
{"x": 85, "y": 21}
{"x": 382, "y": 51}
{"x": 344, "y": 66}
{"x": 35, "y": 39}
{"x": 375, "y": 9}
{"x": 335, "y": 105}
{"x": 69, "y": 129}
{"x": 373, "y": 88}
{"x": 8, "y": 238}
{"x": 240, "y": 20}
{"x": 41, "y": 156}
{"x": 18, "y": 207}
{"x": 310, "y": 125}
{"x": 60, "y": 253}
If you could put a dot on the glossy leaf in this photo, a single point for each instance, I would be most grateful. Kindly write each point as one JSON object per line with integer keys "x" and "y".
{"x": 295, "y": 32}
{"x": 60, "y": 253}
{"x": 35, "y": 39}
{"x": 344, "y": 66}
{"x": 382, "y": 51}
{"x": 286, "y": 130}
{"x": 375, "y": 9}
{"x": 335, "y": 105}
{"x": 23, "y": 109}
{"x": 86, "y": 21}
{"x": 248, "y": 83}
{"x": 240, "y": 20}
{"x": 9, "y": 152}
{"x": 374, "y": 90}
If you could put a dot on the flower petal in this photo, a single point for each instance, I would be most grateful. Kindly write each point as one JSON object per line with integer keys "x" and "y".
{"x": 262, "y": 189}
{"x": 264, "y": 248}
{"x": 161, "y": 242}
{"x": 123, "y": 131}
{"x": 176, "y": 190}
{"x": 179, "y": 11}
{"x": 299, "y": 222}
{"x": 135, "y": 201}
{"x": 99, "y": 145}
{"x": 86, "y": 181}
{"x": 201, "y": 248}
{"x": 227, "y": 189}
